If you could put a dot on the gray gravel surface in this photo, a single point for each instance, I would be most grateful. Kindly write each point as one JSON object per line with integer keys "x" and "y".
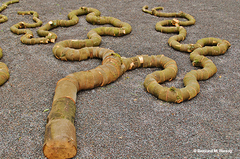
{"x": 122, "y": 120}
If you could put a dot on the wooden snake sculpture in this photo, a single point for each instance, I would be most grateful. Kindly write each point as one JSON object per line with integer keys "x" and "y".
{"x": 4, "y": 72}
{"x": 60, "y": 134}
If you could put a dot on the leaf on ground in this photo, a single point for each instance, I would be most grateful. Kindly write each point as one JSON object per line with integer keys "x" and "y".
{"x": 46, "y": 110}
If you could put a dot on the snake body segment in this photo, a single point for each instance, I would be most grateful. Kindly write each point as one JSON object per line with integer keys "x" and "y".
{"x": 4, "y": 18}
{"x": 63, "y": 138}
{"x": 4, "y": 72}
{"x": 198, "y": 51}
{"x": 20, "y": 28}
{"x": 63, "y": 50}
{"x": 93, "y": 16}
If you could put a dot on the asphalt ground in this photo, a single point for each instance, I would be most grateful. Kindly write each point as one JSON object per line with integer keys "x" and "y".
{"x": 122, "y": 120}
